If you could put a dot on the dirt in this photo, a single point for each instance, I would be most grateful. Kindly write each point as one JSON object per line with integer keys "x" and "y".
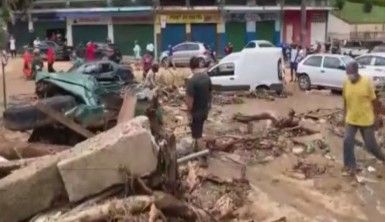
{"x": 282, "y": 186}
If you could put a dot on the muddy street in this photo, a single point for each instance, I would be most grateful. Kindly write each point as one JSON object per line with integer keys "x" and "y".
{"x": 286, "y": 167}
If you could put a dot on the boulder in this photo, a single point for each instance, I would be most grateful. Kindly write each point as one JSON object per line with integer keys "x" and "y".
{"x": 106, "y": 159}
{"x": 30, "y": 190}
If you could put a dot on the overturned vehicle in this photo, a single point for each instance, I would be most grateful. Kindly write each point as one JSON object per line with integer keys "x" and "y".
{"x": 90, "y": 95}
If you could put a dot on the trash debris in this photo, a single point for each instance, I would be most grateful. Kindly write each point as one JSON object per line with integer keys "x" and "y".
{"x": 309, "y": 170}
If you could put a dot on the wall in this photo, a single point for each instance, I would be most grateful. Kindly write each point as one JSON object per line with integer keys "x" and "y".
{"x": 294, "y": 18}
{"x": 337, "y": 26}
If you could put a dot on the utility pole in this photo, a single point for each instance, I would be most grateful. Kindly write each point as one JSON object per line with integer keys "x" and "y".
{"x": 303, "y": 23}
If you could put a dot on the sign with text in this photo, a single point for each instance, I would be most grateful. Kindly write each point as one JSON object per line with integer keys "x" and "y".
{"x": 191, "y": 18}
{"x": 250, "y": 17}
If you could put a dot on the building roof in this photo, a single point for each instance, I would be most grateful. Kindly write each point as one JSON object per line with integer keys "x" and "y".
{"x": 353, "y": 13}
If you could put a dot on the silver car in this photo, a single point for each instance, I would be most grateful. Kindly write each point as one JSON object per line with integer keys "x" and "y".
{"x": 183, "y": 52}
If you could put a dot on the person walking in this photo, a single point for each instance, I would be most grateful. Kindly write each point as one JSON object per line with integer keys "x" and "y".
{"x": 27, "y": 59}
{"x": 51, "y": 57}
{"x": 229, "y": 48}
{"x": 12, "y": 46}
{"x": 198, "y": 100}
{"x": 150, "y": 48}
{"x": 90, "y": 52}
{"x": 150, "y": 81}
{"x": 293, "y": 62}
{"x": 137, "y": 50}
{"x": 147, "y": 63}
{"x": 360, "y": 108}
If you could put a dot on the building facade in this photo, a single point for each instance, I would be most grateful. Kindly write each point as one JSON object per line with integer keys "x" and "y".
{"x": 169, "y": 22}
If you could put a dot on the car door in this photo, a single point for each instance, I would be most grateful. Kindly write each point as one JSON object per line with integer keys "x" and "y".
{"x": 192, "y": 50}
{"x": 365, "y": 60}
{"x": 223, "y": 76}
{"x": 311, "y": 66}
{"x": 179, "y": 53}
{"x": 333, "y": 72}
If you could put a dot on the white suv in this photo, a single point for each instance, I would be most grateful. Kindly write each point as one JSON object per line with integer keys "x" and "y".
{"x": 329, "y": 71}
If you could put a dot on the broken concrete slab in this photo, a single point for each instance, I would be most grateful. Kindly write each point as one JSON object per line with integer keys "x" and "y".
{"x": 30, "y": 190}
{"x": 107, "y": 158}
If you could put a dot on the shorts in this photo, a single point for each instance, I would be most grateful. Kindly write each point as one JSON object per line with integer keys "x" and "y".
{"x": 196, "y": 126}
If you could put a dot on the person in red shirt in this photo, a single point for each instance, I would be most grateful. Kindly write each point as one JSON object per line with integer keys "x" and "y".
{"x": 90, "y": 52}
{"x": 51, "y": 57}
{"x": 27, "y": 68}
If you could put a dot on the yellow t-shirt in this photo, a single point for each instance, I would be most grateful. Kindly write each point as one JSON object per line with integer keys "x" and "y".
{"x": 359, "y": 98}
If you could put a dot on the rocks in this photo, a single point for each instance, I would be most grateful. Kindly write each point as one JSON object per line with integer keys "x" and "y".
{"x": 185, "y": 147}
{"x": 298, "y": 150}
{"x": 107, "y": 159}
{"x": 32, "y": 189}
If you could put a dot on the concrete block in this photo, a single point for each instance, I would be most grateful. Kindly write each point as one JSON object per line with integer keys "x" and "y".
{"x": 98, "y": 161}
{"x": 30, "y": 190}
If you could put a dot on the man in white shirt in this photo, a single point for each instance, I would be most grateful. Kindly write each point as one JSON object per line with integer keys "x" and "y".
{"x": 137, "y": 50}
{"x": 12, "y": 46}
{"x": 36, "y": 42}
{"x": 150, "y": 48}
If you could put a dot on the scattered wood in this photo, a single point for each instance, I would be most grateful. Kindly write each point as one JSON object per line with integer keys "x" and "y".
{"x": 12, "y": 150}
{"x": 156, "y": 214}
{"x": 127, "y": 111}
{"x": 64, "y": 120}
{"x": 280, "y": 123}
{"x": 193, "y": 156}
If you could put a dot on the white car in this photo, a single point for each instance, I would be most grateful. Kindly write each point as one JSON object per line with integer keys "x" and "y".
{"x": 258, "y": 44}
{"x": 329, "y": 71}
{"x": 260, "y": 68}
{"x": 373, "y": 61}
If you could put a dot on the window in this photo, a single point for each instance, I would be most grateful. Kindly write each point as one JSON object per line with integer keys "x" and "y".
{"x": 91, "y": 69}
{"x": 250, "y": 45}
{"x": 380, "y": 61}
{"x": 353, "y": 44}
{"x": 365, "y": 60}
{"x": 265, "y": 45}
{"x": 180, "y": 48}
{"x": 192, "y": 47}
{"x": 379, "y": 48}
{"x": 107, "y": 67}
{"x": 332, "y": 63}
{"x": 226, "y": 69}
{"x": 313, "y": 61}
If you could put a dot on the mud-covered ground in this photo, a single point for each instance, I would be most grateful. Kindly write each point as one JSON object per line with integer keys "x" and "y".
{"x": 286, "y": 181}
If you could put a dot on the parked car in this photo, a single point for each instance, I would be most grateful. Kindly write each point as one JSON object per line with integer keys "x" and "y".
{"x": 255, "y": 69}
{"x": 258, "y": 44}
{"x": 378, "y": 48}
{"x": 373, "y": 61}
{"x": 354, "y": 48}
{"x": 103, "y": 50}
{"x": 62, "y": 52}
{"x": 183, "y": 52}
{"x": 329, "y": 71}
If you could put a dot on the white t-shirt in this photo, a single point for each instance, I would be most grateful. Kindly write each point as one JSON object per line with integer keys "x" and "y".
{"x": 12, "y": 44}
{"x": 36, "y": 43}
{"x": 150, "y": 47}
{"x": 137, "y": 50}
{"x": 294, "y": 54}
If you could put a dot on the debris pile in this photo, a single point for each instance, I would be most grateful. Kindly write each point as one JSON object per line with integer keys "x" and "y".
{"x": 309, "y": 170}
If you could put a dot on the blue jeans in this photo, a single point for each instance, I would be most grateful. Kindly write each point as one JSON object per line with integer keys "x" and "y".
{"x": 371, "y": 145}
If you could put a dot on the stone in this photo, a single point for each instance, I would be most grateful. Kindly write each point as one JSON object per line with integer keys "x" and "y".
{"x": 305, "y": 140}
{"x": 105, "y": 159}
{"x": 298, "y": 150}
{"x": 30, "y": 190}
{"x": 184, "y": 147}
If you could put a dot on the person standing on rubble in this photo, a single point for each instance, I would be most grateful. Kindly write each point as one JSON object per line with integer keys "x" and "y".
{"x": 198, "y": 100}
{"x": 360, "y": 111}
{"x": 150, "y": 80}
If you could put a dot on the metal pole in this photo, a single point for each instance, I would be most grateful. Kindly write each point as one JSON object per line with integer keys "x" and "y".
{"x": 4, "y": 86}
{"x": 303, "y": 23}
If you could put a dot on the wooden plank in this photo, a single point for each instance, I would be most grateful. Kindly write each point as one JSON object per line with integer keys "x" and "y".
{"x": 127, "y": 111}
{"x": 64, "y": 120}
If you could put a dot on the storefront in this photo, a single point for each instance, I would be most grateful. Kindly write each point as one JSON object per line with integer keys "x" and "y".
{"x": 87, "y": 29}
{"x": 128, "y": 29}
{"x": 175, "y": 28}
{"x": 244, "y": 27}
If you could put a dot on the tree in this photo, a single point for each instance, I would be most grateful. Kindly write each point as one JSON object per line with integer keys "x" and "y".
{"x": 368, "y": 6}
{"x": 339, "y": 4}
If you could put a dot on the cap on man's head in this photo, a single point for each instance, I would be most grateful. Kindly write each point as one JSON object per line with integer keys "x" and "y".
{"x": 352, "y": 68}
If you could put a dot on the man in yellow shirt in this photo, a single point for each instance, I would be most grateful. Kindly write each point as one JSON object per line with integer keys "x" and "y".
{"x": 361, "y": 106}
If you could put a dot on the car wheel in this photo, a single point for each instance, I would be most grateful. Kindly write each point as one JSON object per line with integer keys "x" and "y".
{"x": 27, "y": 116}
{"x": 304, "y": 82}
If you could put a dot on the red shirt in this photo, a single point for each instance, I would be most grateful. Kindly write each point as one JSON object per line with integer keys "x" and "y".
{"x": 51, "y": 55}
{"x": 90, "y": 52}
{"x": 27, "y": 57}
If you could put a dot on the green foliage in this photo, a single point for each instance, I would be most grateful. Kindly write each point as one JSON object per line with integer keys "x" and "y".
{"x": 339, "y": 4}
{"x": 374, "y": 2}
{"x": 368, "y": 6}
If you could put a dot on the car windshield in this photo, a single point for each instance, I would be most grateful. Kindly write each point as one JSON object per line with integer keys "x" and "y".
{"x": 352, "y": 44}
{"x": 347, "y": 59}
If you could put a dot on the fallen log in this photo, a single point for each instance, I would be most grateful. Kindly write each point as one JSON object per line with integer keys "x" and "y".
{"x": 12, "y": 150}
{"x": 193, "y": 156}
{"x": 279, "y": 123}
